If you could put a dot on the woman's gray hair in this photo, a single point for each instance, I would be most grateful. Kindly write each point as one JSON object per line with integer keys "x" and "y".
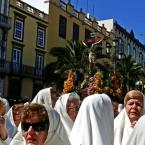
{"x": 73, "y": 95}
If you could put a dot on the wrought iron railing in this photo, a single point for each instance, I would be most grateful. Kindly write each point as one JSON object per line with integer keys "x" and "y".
{"x": 20, "y": 69}
{"x": 5, "y": 21}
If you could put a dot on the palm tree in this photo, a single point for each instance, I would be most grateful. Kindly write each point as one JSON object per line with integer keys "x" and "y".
{"x": 130, "y": 72}
{"x": 72, "y": 56}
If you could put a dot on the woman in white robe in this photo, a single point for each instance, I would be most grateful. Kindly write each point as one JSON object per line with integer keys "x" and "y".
{"x": 138, "y": 135}
{"x": 61, "y": 107}
{"x": 56, "y": 133}
{"x": 46, "y": 96}
{"x": 94, "y": 122}
{"x": 14, "y": 116}
{"x": 12, "y": 128}
{"x": 6, "y": 103}
{"x": 122, "y": 128}
{"x": 4, "y": 135}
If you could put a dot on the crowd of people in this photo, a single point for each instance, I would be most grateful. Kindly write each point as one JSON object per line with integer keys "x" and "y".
{"x": 70, "y": 120}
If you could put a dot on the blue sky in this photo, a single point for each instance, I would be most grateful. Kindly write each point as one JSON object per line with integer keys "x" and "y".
{"x": 129, "y": 14}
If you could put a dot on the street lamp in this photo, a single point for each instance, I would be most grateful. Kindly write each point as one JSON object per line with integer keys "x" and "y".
{"x": 139, "y": 85}
{"x": 108, "y": 48}
{"x": 118, "y": 50}
{"x": 121, "y": 55}
{"x": 115, "y": 45}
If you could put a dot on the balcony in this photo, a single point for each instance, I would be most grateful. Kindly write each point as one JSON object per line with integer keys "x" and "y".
{"x": 62, "y": 5}
{"x": 20, "y": 70}
{"x": 5, "y": 21}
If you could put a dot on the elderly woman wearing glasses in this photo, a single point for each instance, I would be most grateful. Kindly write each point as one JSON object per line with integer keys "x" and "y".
{"x": 68, "y": 106}
{"x": 40, "y": 126}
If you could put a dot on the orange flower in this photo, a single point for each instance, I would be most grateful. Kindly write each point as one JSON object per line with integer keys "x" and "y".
{"x": 69, "y": 83}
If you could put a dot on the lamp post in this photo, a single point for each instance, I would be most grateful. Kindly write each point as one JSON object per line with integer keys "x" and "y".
{"x": 115, "y": 45}
{"x": 139, "y": 85}
{"x": 108, "y": 48}
{"x": 121, "y": 55}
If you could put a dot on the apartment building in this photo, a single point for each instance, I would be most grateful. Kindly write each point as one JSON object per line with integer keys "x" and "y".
{"x": 126, "y": 44}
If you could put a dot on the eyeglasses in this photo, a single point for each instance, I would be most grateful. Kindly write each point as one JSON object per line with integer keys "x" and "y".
{"x": 18, "y": 108}
{"x": 39, "y": 126}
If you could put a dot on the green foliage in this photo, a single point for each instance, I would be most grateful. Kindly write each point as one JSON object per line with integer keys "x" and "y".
{"x": 73, "y": 56}
{"x": 130, "y": 72}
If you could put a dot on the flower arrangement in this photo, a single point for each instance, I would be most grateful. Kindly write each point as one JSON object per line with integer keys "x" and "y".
{"x": 114, "y": 89}
{"x": 69, "y": 83}
{"x": 90, "y": 89}
{"x": 95, "y": 83}
{"x": 98, "y": 82}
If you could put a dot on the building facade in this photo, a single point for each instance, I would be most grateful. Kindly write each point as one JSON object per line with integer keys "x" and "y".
{"x": 25, "y": 47}
{"x": 33, "y": 33}
{"x": 127, "y": 44}
{"x": 26, "y": 51}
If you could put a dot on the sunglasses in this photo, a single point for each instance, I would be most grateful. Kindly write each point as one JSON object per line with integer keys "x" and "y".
{"x": 39, "y": 126}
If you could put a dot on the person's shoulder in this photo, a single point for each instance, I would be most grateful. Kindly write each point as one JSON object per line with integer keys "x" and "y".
{"x": 18, "y": 139}
{"x": 141, "y": 121}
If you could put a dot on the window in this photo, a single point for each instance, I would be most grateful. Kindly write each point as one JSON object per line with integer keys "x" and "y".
{"x": 141, "y": 58}
{"x": 62, "y": 26}
{"x": 18, "y": 29}
{"x": 6, "y": 5}
{"x": 75, "y": 32}
{"x": 40, "y": 37}
{"x": 131, "y": 50}
{"x": 122, "y": 46}
{"x": 134, "y": 52}
{"x": 128, "y": 49}
{"x": 39, "y": 64}
{"x": 16, "y": 59}
{"x": 87, "y": 34}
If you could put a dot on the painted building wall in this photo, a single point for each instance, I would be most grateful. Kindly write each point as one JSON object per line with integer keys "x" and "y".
{"x": 32, "y": 20}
